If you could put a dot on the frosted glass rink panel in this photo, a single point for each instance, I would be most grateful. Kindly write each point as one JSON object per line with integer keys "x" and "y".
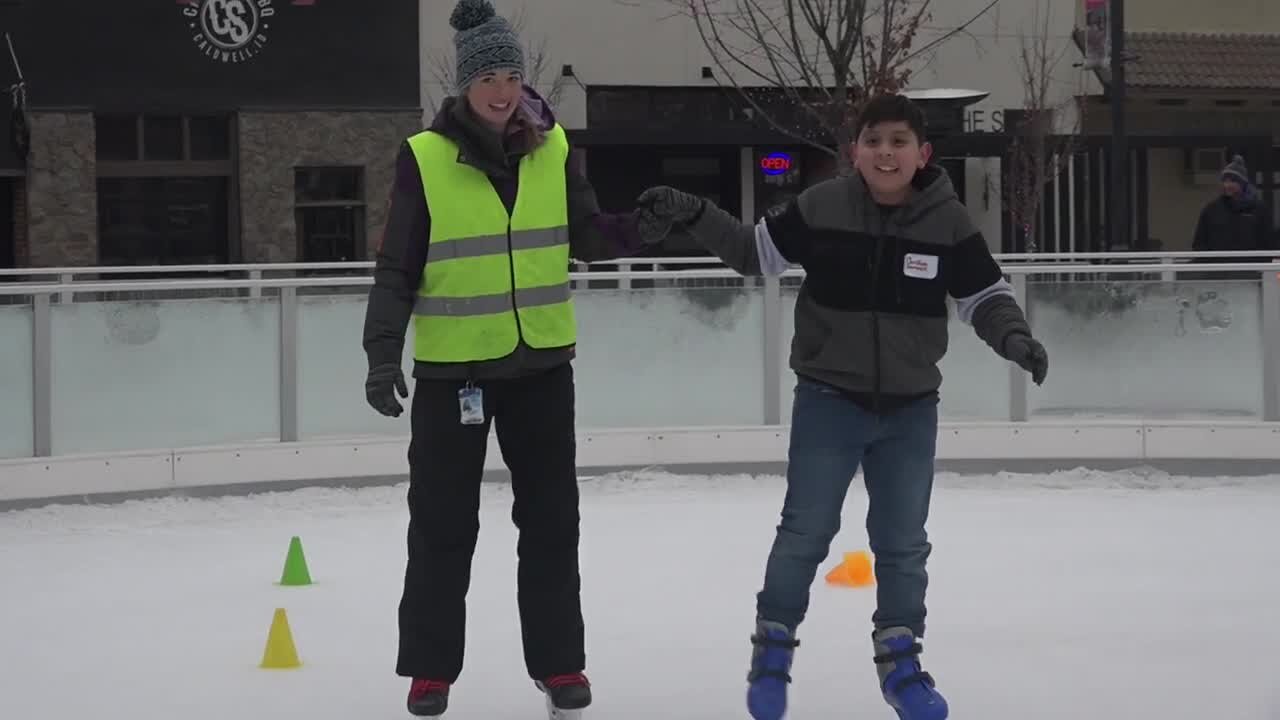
{"x": 165, "y": 373}
{"x": 1159, "y": 350}
{"x": 669, "y": 357}
{"x": 16, "y": 422}
{"x": 662, "y": 357}
{"x": 975, "y": 381}
{"x": 332, "y": 368}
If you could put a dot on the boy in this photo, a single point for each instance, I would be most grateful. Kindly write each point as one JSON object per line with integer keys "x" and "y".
{"x": 882, "y": 249}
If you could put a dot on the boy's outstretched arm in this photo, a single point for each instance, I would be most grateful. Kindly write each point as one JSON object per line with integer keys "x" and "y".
{"x": 761, "y": 249}
{"x": 985, "y": 300}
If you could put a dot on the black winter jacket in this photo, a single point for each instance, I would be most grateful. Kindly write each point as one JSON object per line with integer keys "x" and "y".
{"x": 1234, "y": 224}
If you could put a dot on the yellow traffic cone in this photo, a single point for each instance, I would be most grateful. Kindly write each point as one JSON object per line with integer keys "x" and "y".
{"x": 280, "y": 653}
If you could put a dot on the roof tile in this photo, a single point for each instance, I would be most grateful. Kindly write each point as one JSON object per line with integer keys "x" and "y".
{"x": 1203, "y": 60}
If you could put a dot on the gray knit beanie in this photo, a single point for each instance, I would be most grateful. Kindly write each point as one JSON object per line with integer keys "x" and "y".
{"x": 1236, "y": 170}
{"x": 484, "y": 42}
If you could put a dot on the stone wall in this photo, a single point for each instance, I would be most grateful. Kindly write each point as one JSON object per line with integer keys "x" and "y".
{"x": 61, "y": 206}
{"x": 61, "y": 191}
{"x": 273, "y": 144}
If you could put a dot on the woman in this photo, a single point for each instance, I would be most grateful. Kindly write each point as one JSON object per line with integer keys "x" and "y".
{"x": 485, "y": 213}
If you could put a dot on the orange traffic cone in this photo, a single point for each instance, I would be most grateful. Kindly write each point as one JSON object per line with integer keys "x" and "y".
{"x": 854, "y": 571}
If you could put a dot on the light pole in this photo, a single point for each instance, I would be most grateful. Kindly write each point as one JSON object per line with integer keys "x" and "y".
{"x": 1119, "y": 196}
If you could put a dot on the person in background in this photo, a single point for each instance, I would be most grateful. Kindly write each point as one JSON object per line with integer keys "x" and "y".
{"x": 882, "y": 249}
{"x": 485, "y": 213}
{"x": 1236, "y": 219}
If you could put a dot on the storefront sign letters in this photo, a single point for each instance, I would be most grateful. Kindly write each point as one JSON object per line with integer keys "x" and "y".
{"x": 982, "y": 120}
{"x": 229, "y": 31}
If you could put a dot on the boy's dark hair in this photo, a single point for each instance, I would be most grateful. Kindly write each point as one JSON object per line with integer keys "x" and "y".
{"x": 892, "y": 108}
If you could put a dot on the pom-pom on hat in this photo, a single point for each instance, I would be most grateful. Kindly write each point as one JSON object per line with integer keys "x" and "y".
{"x": 483, "y": 41}
{"x": 1236, "y": 170}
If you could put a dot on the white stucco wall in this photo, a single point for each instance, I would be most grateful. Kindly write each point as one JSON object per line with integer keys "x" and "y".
{"x": 641, "y": 42}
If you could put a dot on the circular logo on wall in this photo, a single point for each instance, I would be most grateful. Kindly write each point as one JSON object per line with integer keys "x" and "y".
{"x": 230, "y": 31}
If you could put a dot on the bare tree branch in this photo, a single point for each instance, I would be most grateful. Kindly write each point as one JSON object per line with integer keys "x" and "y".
{"x": 962, "y": 28}
{"x": 806, "y": 67}
{"x": 1044, "y": 145}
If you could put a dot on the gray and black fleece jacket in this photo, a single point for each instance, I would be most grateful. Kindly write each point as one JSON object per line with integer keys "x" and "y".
{"x": 871, "y": 316}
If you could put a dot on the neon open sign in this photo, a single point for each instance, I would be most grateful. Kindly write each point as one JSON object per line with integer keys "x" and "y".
{"x": 775, "y": 163}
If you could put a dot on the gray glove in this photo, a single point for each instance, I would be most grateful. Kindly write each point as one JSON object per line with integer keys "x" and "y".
{"x": 380, "y": 389}
{"x": 660, "y": 208}
{"x": 1028, "y": 354}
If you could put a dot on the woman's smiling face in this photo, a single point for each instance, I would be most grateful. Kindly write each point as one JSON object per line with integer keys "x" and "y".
{"x": 494, "y": 96}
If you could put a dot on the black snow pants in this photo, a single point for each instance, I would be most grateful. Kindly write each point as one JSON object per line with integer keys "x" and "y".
{"x": 533, "y": 417}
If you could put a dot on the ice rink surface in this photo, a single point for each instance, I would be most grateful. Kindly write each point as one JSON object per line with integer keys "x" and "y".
{"x": 1071, "y": 596}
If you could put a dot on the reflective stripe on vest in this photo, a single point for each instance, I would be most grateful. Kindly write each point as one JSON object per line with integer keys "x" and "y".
{"x": 491, "y": 278}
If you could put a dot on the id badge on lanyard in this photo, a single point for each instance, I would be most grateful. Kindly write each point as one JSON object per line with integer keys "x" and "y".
{"x": 471, "y": 405}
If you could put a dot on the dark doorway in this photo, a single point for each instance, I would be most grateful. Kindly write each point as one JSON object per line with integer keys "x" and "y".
{"x": 8, "y": 236}
{"x": 955, "y": 170}
{"x": 620, "y": 173}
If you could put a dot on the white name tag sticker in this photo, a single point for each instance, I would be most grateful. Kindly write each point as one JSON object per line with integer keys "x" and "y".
{"x": 920, "y": 266}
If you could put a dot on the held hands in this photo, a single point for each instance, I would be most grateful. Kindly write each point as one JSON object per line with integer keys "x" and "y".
{"x": 660, "y": 208}
{"x": 1029, "y": 354}
{"x": 380, "y": 389}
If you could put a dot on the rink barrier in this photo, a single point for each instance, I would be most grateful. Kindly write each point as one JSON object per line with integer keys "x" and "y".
{"x": 319, "y": 462}
{"x": 287, "y": 458}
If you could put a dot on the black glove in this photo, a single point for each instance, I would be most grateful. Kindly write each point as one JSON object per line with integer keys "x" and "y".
{"x": 380, "y": 389}
{"x": 660, "y": 208}
{"x": 1029, "y": 354}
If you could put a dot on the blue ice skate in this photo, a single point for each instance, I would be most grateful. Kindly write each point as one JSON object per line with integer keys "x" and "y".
{"x": 770, "y": 670}
{"x": 908, "y": 689}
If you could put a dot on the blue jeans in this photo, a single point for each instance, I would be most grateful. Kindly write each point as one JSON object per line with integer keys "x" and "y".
{"x": 830, "y": 437}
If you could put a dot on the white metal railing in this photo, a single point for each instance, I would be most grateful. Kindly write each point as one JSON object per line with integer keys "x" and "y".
{"x": 43, "y": 350}
{"x": 629, "y": 268}
{"x": 67, "y": 274}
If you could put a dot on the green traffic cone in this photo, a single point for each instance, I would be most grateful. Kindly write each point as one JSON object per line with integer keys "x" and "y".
{"x": 295, "y": 565}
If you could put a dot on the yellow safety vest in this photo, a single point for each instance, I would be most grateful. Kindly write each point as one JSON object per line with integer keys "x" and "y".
{"x": 491, "y": 278}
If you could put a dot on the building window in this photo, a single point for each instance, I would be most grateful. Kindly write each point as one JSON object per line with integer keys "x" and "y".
{"x": 162, "y": 220}
{"x": 118, "y": 138}
{"x": 157, "y": 140}
{"x": 164, "y": 189}
{"x": 329, "y": 210}
{"x": 1273, "y": 183}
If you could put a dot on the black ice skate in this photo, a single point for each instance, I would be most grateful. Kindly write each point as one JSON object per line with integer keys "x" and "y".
{"x": 566, "y": 695}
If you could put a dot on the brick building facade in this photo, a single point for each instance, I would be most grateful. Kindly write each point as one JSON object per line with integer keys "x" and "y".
{"x": 203, "y": 131}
